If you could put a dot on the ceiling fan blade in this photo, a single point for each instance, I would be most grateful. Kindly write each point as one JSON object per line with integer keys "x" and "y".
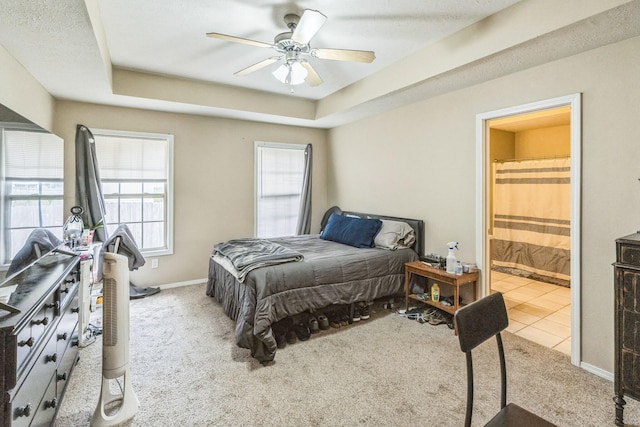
{"x": 238, "y": 40}
{"x": 255, "y": 67}
{"x": 309, "y": 24}
{"x": 313, "y": 79}
{"x": 344, "y": 55}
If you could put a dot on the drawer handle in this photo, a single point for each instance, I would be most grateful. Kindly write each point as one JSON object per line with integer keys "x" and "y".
{"x": 44, "y": 321}
{"x": 51, "y": 403}
{"x": 65, "y": 290}
{"x": 62, "y": 377}
{"x": 51, "y": 305}
{"x": 75, "y": 310}
{"x": 25, "y": 411}
{"x": 62, "y": 337}
{"x": 28, "y": 343}
{"x": 75, "y": 343}
{"x": 51, "y": 358}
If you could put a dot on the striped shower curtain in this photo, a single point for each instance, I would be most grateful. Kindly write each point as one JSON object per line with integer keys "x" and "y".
{"x": 531, "y": 216}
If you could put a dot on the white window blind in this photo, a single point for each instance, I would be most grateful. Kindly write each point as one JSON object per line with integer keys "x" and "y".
{"x": 132, "y": 158}
{"x": 136, "y": 173}
{"x": 279, "y": 179}
{"x": 33, "y": 155}
{"x": 33, "y": 185}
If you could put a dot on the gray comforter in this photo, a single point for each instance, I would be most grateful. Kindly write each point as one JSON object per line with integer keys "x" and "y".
{"x": 249, "y": 254}
{"x": 331, "y": 273}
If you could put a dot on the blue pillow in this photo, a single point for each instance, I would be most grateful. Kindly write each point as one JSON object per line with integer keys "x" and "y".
{"x": 358, "y": 232}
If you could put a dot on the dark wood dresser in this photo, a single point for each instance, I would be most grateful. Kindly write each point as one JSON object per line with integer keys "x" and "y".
{"x": 38, "y": 345}
{"x": 627, "y": 322}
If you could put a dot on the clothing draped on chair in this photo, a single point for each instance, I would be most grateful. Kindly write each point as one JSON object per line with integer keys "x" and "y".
{"x": 39, "y": 242}
{"x": 531, "y": 216}
{"x": 304, "y": 214}
{"x": 88, "y": 187}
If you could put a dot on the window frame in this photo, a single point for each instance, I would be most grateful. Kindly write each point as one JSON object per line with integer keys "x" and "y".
{"x": 169, "y": 187}
{"x": 276, "y": 145}
{"x": 5, "y": 199}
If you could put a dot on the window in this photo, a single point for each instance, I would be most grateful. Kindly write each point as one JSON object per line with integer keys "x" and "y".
{"x": 32, "y": 185}
{"x": 136, "y": 172}
{"x": 279, "y": 179}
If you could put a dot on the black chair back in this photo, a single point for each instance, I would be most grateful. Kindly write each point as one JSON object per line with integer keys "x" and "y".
{"x": 476, "y": 323}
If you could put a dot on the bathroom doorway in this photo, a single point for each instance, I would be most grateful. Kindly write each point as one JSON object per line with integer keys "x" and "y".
{"x": 530, "y": 218}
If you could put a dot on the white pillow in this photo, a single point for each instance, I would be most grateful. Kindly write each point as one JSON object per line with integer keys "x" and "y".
{"x": 394, "y": 235}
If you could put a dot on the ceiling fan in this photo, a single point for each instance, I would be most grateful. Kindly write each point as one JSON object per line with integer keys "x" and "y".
{"x": 293, "y": 46}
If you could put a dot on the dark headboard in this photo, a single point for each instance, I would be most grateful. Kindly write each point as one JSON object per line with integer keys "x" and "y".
{"x": 416, "y": 224}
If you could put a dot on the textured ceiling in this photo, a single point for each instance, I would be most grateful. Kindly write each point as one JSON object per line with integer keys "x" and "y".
{"x": 168, "y": 36}
{"x": 119, "y": 52}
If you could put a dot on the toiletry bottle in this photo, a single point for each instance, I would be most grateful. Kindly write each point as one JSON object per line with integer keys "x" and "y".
{"x": 458, "y": 268}
{"x": 435, "y": 292}
{"x": 451, "y": 258}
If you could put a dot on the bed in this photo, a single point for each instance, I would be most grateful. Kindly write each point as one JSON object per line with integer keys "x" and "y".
{"x": 328, "y": 273}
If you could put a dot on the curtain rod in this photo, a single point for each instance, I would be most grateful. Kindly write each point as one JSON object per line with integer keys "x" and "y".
{"x": 530, "y": 158}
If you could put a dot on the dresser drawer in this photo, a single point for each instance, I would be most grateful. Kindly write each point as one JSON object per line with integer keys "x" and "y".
{"x": 68, "y": 288}
{"x": 27, "y": 399}
{"x": 66, "y": 366}
{"x": 48, "y": 406}
{"x": 29, "y": 338}
{"x": 630, "y": 290}
{"x": 67, "y": 325}
{"x": 629, "y": 254}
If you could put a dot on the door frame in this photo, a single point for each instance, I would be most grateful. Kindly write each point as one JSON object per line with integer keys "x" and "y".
{"x": 483, "y": 171}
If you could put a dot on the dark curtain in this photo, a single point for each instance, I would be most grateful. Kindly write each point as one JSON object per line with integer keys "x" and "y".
{"x": 304, "y": 214}
{"x": 88, "y": 188}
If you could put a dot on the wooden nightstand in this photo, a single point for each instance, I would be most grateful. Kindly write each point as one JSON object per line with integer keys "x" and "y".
{"x": 440, "y": 277}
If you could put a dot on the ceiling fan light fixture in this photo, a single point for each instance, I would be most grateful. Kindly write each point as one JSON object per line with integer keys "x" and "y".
{"x": 291, "y": 73}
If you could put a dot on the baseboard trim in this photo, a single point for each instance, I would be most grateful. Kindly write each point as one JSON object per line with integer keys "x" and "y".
{"x": 597, "y": 371}
{"x": 180, "y": 284}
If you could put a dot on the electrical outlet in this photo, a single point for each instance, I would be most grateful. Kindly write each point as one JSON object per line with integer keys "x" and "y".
{"x": 154, "y": 263}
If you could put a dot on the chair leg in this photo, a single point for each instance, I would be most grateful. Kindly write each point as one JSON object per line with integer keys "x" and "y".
{"x": 503, "y": 373}
{"x": 467, "y": 419}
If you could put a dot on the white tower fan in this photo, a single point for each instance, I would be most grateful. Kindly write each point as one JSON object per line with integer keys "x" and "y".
{"x": 115, "y": 344}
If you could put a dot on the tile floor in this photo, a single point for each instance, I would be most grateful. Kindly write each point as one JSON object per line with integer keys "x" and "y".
{"x": 538, "y": 311}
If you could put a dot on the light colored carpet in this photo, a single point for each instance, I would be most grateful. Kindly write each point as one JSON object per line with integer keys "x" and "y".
{"x": 384, "y": 371}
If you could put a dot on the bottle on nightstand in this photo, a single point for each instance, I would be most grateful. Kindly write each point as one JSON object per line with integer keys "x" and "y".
{"x": 435, "y": 292}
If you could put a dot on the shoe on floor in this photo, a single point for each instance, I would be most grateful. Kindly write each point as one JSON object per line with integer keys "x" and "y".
{"x": 323, "y": 322}
{"x": 281, "y": 339}
{"x": 291, "y": 336}
{"x": 364, "y": 313}
{"x": 334, "y": 320}
{"x": 279, "y": 329}
{"x": 314, "y": 325}
{"x": 356, "y": 315}
{"x": 344, "y": 319}
{"x": 302, "y": 331}
{"x": 437, "y": 318}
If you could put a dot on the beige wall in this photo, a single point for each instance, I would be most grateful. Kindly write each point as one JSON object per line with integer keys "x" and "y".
{"x": 213, "y": 172}
{"x": 419, "y": 161}
{"x": 21, "y": 92}
{"x": 502, "y": 144}
{"x": 543, "y": 142}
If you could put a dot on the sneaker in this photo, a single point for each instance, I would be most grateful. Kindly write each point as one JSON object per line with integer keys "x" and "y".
{"x": 334, "y": 320}
{"x": 344, "y": 319}
{"x": 356, "y": 315}
{"x": 291, "y": 336}
{"x": 314, "y": 325}
{"x": 364, "y": 313}
{"x": 281, "y": 339}
{"x": 437, "y": 318}
{"x": 302, "y": 331}
{"x": 323, "y": 322}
